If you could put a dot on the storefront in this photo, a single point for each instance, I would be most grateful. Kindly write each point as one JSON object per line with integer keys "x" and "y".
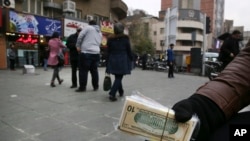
{"x": 30, "y": 34}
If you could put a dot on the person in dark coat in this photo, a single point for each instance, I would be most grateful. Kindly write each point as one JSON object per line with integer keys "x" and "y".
{"x": 144, "y": 59}
{"x": 219, "y": 103}
{"x": 170, "y": 55}
{"x": 119, "y": 59}
{"x": 12, "y": 57}
{"x": 230, "y": 48}
{"x": 71, "y": 45}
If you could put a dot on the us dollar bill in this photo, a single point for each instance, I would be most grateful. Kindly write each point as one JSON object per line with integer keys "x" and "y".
{"x": 145, "y": 117}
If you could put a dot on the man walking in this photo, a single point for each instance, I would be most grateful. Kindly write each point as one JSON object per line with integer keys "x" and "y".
{"x": 230, "y": 48}
{"x": 71, "y": 44}
{"x": 170, "y": 59}
{"x": 88, "y": 45}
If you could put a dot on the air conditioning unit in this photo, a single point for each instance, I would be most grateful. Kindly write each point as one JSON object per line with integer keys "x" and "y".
{"x": 89, "y": 17}
{"x": 8, "y": 3}
{"x": 69, "y": 6}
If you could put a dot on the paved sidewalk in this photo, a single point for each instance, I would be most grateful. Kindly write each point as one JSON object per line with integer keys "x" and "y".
{"x": 30, "y": 110}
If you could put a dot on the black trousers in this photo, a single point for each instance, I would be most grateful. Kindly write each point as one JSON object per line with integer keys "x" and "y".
{"x": 12, "y": 64}
{"x": 74, "y": 66}
{"x": 88, "y": 62}
{"x": 171, "y": 70}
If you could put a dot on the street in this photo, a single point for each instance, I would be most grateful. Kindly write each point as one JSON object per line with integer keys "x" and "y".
{"x": 30, "y": 110}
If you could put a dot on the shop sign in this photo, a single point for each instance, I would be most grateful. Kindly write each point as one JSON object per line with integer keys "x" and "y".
{"x": 70, "y": 26}
{"x": 107, "y": 27}
{"x": 31, "y": 24}
{"x": 29, "y": 39}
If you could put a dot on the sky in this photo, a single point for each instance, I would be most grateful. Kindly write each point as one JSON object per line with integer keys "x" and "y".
{"x": 236, "y": 10}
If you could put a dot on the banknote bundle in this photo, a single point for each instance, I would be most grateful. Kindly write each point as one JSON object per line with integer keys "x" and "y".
{"x": 145, "y": 117}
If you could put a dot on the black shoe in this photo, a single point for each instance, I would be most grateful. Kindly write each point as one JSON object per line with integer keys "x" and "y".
{"x": 73, "y": 86}
{"x": 96, "y": 88}
{"x": 121, "y": 93}
{"x": 60, "y": 81}
{"x": 52, "y": 85}
{"x": 112, "y": 98}
{"x": 80, "y": 90}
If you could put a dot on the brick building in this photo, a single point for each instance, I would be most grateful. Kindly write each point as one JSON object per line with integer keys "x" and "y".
{"x": 30, "y": 22}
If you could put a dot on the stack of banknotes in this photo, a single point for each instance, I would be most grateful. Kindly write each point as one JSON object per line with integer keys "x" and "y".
{"x": 145, "y": 117}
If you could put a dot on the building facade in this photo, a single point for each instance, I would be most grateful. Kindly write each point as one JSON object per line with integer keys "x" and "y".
{"x": 29, "y": 23}
{"x": 214, "y": 9}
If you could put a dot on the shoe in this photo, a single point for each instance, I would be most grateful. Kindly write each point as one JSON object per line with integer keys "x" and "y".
{"x": 52, "y": 84}
{"x": 60, "y": 81}
{"x": 73, "y": 86}
{"x": 80, "y": 90}
{"x": 96, "y": 88}
{"x": 121, "y": 93}
{"x": 112, "y": 98}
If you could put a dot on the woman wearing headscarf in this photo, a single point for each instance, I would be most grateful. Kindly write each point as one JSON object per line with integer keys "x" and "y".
{"x": 119, "y": 59}
{"x": 55, "y": 47}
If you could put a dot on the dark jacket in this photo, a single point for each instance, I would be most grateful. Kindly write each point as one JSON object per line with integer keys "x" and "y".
{"x": 230, "y": 45}
{"x": 119, "y": 55}
{"x": 71, "y": 44}
{"x": 231, "y": 90}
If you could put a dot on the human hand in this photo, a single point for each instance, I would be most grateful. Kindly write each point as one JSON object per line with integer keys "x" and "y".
{"x": 183, "y": 110}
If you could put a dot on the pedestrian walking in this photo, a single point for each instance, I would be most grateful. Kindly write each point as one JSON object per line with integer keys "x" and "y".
{"x": 12, "y": 57}
{"x": 119, "y": 59}
{"x": 55, "y": 47}
{"x": 88, "y": 45}
{"x": 170, "y": 59}
{"x": 230, "y": 48}
{"x": 71, "y": 45}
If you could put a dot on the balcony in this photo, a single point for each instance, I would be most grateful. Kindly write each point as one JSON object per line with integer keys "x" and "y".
{"x": 188, "y": 37}
{"x": 119, "y": 8}
{"x": 52, "y": 5}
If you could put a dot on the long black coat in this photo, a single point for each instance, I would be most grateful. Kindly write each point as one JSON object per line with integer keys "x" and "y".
{"x": 119, "y": 55}
{"x": 71, "y": 44}
{"x": 230, "y": 45}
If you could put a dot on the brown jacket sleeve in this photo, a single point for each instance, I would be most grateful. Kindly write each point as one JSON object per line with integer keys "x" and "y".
{"x": 231, "y": 89}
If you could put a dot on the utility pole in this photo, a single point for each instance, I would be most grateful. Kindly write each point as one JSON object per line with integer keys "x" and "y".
{"x": 204, "y": 44}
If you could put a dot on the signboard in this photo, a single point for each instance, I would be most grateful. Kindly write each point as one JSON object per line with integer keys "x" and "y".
{"x": 70, "y": 26}
{"x": 189, "y": 14}
{"x": 31, "y": 24}
{"x": 107, "y": 27}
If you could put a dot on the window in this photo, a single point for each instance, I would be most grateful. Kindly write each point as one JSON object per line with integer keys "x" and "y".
{"x": 33, "y": 6}
{"x": 78, "y": 14}
{"x": 162, "y": 42}
{"x": 162, "y": 30}
{"x": 155, "y": 32}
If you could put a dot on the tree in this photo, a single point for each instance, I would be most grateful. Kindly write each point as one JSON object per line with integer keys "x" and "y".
{"x": 139, "y": 33}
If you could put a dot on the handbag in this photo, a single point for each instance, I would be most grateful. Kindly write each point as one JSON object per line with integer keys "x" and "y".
{"x": 107, "y": 82}
{"x": 60, "y": 58}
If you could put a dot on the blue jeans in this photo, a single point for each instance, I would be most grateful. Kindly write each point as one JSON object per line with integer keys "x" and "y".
{"x": 88, "y": 62}
{"x": 117, "y": 85}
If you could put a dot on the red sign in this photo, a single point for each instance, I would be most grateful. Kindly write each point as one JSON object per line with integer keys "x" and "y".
{"x": 27, "y": 40}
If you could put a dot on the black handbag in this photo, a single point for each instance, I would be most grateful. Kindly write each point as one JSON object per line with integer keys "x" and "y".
{"x": 107, "y": 83}
{"x": 60, "y": 58}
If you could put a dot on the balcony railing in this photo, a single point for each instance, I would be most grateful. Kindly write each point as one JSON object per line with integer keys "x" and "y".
{"x": 119, "y": 8}
{"x": 53, "y": 5}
